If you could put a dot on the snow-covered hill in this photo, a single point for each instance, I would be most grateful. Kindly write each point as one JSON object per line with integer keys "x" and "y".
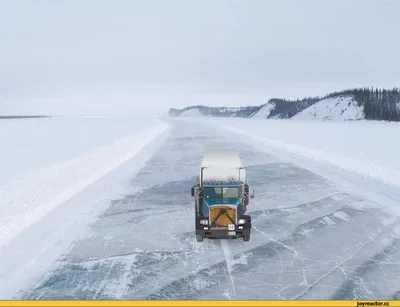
{"x": 352, "y": 104}
{"x": 338, "y": 108}
{"x": 335, "y": 108}
{"x": 191, "y": 113}
{"x": 264, "y": 111}
{"x": 195, "y": 111}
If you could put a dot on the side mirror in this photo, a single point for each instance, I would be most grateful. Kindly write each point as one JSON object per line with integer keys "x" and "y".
{"x": 251, "y": 193}
{"x": 192, "y": 191}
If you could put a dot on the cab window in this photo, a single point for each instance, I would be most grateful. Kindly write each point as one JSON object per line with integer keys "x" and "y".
{"x": 213, "y": 192}
{"x": 218, "y": 192}
{"x": 230, "y": 192}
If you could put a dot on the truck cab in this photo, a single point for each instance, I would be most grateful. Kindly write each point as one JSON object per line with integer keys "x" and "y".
{"x": 221, "y": 202}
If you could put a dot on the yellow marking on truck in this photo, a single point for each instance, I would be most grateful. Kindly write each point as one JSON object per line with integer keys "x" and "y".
{"x": 223, "y": 219}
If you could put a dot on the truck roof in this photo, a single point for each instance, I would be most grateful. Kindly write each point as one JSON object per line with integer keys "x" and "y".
{"x": 221, "y": 183}
{"x": 221, "y": 158}
{"x": 222, "y": 165}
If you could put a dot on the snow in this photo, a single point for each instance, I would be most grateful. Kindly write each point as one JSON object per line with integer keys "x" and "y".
{"x": 338, "y": 108}
{"x": 223, "y": 174}
{"x": 48, "y": 161}
{"x": 191, "y": 113}
{"x": 264, "y": 112}
{"x": 222, "y": 165}
{"x": 328, "y": 221}
{"x": 360, "y": 146}
{"x": 342, "y": 215}
{"x": 311, "y": 239}
{"x": 361, "y": 150}
{"x": 31, "y": 144}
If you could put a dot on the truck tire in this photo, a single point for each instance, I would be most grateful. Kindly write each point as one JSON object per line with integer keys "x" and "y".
{"x": 246, "y": 237}
{"x": 199, "y": 238}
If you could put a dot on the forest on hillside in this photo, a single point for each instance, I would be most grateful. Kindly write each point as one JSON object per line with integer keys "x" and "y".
{"x": 378, "y": 104}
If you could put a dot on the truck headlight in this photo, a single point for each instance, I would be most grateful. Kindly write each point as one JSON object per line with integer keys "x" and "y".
{"x": 241, "y": 221}
{"x": 204, "y": 222}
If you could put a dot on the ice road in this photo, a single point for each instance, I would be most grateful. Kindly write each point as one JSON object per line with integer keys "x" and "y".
{"x": 310, "y": 240}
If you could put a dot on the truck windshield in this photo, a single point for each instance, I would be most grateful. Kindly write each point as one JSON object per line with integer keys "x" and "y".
{"x": 218, "y": 192}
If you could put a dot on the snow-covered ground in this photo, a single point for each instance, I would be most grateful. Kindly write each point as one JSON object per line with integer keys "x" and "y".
{"x": 46, "y": 162}
{"x": 311, "y": 238}
{"x": 32, "y": 144}
{"x": 326, "y": 221}
{"x": 338, "y": 108}
{"x": 364, "y": 148}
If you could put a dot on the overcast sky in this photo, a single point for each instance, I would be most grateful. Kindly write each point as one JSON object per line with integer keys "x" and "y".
{"x": 88, "y": 54}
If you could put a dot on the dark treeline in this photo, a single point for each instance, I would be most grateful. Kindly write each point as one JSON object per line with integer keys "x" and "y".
{"x": 378, "y": 104}
{"x": 219, "y": 111}
{"x": 287, "y": 108}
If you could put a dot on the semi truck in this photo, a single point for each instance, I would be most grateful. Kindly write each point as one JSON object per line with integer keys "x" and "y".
{"x": 221, "y": 195}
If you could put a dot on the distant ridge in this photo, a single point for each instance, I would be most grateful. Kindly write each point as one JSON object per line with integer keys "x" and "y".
{"x": 351, "y": 104}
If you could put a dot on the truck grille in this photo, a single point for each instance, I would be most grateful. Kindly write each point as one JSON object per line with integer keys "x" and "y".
{"x": 223, "y": 220}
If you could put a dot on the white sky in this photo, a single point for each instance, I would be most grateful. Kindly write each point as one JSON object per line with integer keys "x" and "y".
{"x": 139, "y": 56}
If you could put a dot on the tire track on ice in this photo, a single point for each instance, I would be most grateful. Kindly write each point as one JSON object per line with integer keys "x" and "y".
{"x": 343, "y": 289}
{"x": 348, "y": 290}
{"x": 344, "y": 262}
{"x": 214, "y": 275}
{"x": 229, "y": 266}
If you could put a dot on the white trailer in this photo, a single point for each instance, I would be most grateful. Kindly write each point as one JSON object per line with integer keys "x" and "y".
{"x": 222, "y": 165}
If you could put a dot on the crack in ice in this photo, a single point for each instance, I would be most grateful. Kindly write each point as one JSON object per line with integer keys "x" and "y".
{"x": 296, "y": 253}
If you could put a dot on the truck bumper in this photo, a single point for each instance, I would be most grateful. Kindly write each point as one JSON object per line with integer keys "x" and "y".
{"x": 222, "y": 233}
{"x": 240, "y": 231}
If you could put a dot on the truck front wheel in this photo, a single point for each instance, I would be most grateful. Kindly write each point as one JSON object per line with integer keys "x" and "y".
{"x": 246, "y": 237}
{"x": 199, "y": 238}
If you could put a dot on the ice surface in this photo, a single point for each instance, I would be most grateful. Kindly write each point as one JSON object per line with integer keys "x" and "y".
{"x": 310, "y": 238}
{"x": 342, "y": 215}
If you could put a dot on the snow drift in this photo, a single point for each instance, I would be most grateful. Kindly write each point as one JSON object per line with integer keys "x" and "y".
{"x": 33, "y": 193}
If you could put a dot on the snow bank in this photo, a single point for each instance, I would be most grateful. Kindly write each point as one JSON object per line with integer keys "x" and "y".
{"x": 338, "y": 108}
{"x": 30, "y": 144}
{"x": 30, "y": 196}
{"x": 368, "y": 148}
{"x": 264, "y": 112}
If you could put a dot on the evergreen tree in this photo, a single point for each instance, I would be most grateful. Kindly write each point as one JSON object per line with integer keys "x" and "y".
{"x": 378, "y": 104}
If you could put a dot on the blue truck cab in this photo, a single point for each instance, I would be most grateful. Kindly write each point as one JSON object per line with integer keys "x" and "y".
{"x": 221, "y": 198}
